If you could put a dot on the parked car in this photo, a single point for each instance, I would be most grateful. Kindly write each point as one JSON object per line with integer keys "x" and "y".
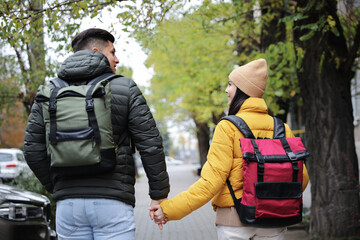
{"x": 12, "y": 163}
{"x": 172, "y": 161}
{"x": 24, "y": 215}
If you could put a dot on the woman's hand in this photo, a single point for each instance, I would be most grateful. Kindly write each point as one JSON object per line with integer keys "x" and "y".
{"x": 157, "y": 215}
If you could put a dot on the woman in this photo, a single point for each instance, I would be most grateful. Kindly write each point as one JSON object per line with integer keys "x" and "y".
{"x": 246, "y": 87}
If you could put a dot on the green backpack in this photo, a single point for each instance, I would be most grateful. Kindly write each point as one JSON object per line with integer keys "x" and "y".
{"x": 79, "y": 134}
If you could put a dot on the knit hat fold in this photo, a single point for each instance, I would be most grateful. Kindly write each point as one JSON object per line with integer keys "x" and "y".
{"x": 251, "y": 78}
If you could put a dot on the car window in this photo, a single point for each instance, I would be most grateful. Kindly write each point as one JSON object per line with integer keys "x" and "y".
{"x": 5, "y": 157}
{"x": 20, "y": 157}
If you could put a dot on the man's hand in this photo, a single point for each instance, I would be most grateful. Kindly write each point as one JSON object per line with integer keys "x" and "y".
{"x": 156, "y": 213}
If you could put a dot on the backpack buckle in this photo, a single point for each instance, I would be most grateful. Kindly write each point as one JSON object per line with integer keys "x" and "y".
{"x": 89, "y": 105}
{"x": 259, "y": 158}
{"x": 52, "y": 107}
{"x": 292, "y": 156}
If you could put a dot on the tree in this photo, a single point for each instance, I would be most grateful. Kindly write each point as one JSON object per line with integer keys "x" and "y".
{"x": 23, "y": 25}
{"x": 327, "y": 42}
{"x": 242, "y": 32}
{"x": 191, "y": 65}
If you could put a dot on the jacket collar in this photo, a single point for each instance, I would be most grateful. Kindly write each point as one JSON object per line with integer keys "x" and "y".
{"x": 254, "y": 105}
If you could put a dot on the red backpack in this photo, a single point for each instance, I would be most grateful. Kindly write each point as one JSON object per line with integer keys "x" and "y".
{"x": 272, "y": 177}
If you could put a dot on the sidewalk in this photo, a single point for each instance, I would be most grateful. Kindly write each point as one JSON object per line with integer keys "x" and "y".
{"x": 199, "y": 225}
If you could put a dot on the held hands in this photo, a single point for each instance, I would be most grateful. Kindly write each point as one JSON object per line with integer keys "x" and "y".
{"x": 157, "y": 214}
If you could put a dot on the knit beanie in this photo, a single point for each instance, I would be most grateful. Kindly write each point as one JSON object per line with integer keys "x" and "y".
{"x": 251, "y": 78}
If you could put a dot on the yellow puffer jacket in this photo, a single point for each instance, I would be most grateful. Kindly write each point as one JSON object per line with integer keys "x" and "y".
{"x": 224, "y": 161}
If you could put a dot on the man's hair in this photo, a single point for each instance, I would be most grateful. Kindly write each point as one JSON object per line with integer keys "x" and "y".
{"x": 90, "y": 38}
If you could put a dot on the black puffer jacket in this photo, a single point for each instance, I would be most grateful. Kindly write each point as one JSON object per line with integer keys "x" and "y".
{"x": 128, "y": 111}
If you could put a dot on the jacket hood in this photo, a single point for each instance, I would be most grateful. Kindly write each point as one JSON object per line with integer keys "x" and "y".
{"x": 84, "y": 65}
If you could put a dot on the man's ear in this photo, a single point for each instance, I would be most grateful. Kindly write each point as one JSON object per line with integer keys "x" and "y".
{"x": 96, "y": 49}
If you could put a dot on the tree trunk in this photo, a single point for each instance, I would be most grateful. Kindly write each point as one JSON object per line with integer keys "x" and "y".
{"x": 203, "y": 136}
{"x": 325, "y": 89}
{"x": 36, "y": 57}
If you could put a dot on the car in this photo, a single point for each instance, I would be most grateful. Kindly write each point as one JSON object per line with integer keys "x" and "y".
{"x": 172, "y": 161}
{"x": 24, "y": 215}
{"x": 12, "y": 164}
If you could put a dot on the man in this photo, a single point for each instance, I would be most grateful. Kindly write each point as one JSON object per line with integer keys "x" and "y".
{"x": 101, "y": 206}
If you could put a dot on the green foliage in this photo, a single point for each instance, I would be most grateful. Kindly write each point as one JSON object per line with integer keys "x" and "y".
{"x": 24, "y": 25}
{"x": 191, "y": 63}
{"x": 189, "y": 52}
{"x": 124, "y": 71}
{"x": 282, "y": 80}
{"x": 9, "y": 82}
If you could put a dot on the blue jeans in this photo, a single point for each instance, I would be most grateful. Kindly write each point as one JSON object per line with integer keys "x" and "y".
{"x": 94, "y": 219}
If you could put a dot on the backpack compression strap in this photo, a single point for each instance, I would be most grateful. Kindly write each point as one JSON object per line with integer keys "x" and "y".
{"x": 58, "y": 83}
{"x": 279, "y": 133}
{"x": 52, "y": 113}
{"x": 90, "y": 103}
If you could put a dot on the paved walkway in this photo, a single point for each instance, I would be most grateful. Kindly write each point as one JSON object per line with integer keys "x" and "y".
{"x": 199, "y": 225}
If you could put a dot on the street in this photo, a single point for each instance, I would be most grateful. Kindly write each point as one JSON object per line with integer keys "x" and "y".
{"x": 199, "y": 225}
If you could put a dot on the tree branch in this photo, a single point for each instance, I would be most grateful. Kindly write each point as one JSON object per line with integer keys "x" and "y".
{"x": 32, "y": 12}
{"x": 30, "y": 56}
{"x": 21, "y": 62}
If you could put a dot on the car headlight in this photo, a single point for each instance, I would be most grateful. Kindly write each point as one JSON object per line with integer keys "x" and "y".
{"x": 20, "y": 212}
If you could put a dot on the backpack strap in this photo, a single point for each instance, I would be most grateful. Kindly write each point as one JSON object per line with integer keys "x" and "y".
{"x": 232, "y": 192}
{"x": 241, "y": 125}
{"x": 59, "y": 83}
{"x": 279, "y": 128}
{"x": 105, "y": 76}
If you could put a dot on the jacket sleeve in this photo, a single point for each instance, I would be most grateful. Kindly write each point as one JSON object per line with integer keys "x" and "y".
{"x": 289, "y": 133}
{"x": 213, "y": 177}
{"x": 35, "y": 151}
{"x": 148, "y": 141}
